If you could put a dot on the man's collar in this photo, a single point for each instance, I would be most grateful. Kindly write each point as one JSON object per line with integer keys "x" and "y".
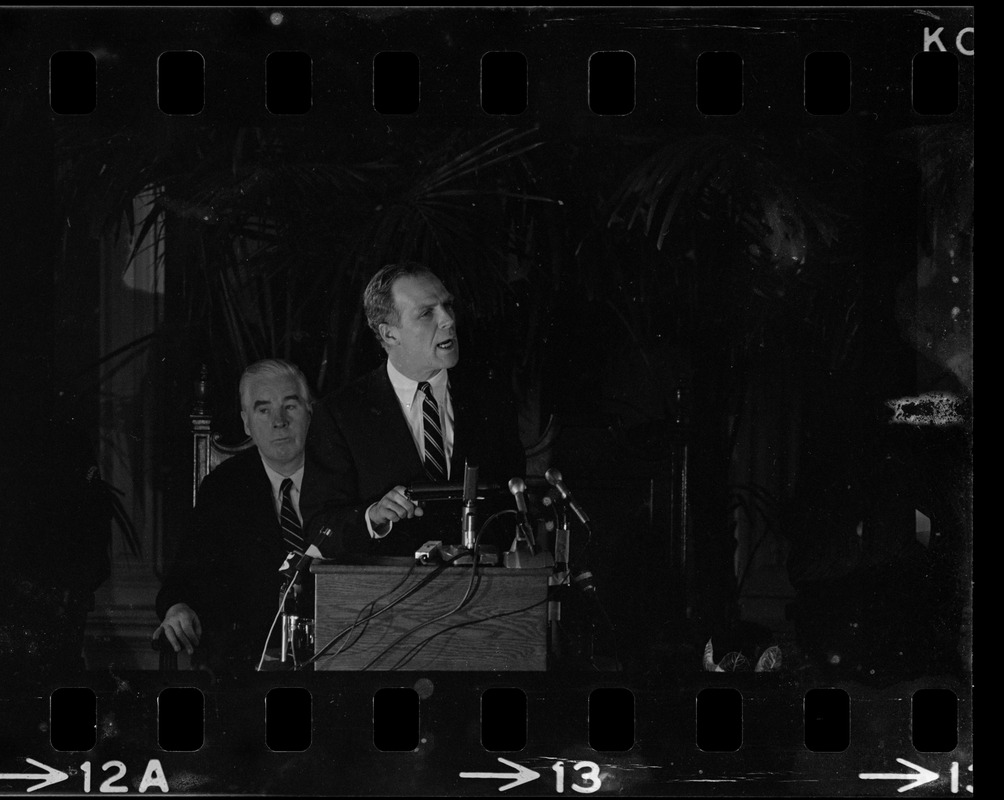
{"x": 407, "y": 386}
{"x": 276, "y": 478}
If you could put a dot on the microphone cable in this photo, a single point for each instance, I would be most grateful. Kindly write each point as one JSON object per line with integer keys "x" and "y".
{"x": 583, "y": 581}
{"x": 464, "y": 600}
{"x": 275, "y": 619}
{"x": 348, "y": 629}
{"x": 416, "y": 647}
{"x": 360, "y": 620}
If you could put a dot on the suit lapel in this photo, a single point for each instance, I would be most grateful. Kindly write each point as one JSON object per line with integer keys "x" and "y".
{"x": 263, "y": 506}
{"x": 397, "y": 441}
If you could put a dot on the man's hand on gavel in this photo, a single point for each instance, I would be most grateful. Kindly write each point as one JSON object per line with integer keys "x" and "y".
{"x": 182, "y": 628}
{"x": 393, "y": 507}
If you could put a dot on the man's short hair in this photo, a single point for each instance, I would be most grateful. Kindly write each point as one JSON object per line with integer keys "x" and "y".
{"x": 277, "y": 368}
{"x": 378, "y": 297}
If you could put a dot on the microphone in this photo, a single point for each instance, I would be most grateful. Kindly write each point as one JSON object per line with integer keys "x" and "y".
{"x": 554, "y": 478}
{"x": 290, "y": 596}
{"x": 517, "y": 487}
{"x": 470, "y": 501}
{"x": 312, "y": 551}
{"x": 424, "y": 491}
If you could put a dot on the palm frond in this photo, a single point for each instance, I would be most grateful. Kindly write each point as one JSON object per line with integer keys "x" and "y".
{"x": 724, "y": 179}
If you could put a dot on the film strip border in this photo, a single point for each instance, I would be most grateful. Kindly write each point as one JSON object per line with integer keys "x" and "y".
{"x": 610, "y": 81}
{"x": 466, "y": 733}
{"x": 610, "y": 719}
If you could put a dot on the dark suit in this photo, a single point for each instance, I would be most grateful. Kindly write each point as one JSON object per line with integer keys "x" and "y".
{"x": 362, "y": 447}
{"x": 227, "y": 565}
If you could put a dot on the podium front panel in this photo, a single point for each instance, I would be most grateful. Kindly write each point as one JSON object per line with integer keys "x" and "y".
{"x": 406, "y": 617}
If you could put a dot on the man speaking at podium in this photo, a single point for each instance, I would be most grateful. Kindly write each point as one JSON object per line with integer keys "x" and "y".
{"x": 413, "y": 419}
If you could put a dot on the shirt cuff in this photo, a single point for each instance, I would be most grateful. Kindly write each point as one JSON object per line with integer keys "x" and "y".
{"x": 374, "y": 533}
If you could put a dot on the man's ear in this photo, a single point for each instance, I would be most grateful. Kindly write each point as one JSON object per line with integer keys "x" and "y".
{"x": 247, "y": 428}
{"x": 388, "y": 334}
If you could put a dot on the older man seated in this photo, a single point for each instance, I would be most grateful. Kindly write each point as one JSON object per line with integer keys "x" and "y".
{"x": 223, "y": 589}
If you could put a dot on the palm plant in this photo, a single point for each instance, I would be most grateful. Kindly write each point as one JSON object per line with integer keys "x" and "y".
{"x": 741, "y": 231}
{"x": 283, "y": 233}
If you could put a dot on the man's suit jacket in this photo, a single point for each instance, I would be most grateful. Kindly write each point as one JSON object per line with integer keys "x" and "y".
{"x": 227, "y": 565}
{"x": 362, "y": 447}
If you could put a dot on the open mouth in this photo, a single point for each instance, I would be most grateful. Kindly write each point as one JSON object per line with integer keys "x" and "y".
{"x": 446, "y": 345}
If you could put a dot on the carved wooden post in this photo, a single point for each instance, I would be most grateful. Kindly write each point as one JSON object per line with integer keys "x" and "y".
{"x": 681, "y": 545}
{"x": 682, "y": 423}
{"x": 201, "y": 423}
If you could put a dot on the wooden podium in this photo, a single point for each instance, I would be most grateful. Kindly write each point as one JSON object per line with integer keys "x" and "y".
{"x": 503, "y": 626}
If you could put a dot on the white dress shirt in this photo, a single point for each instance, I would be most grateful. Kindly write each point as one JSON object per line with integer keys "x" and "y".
{"x": 411, "y": 401}
{"x": 294, "y": 494}
{"x": 276, "y": 480}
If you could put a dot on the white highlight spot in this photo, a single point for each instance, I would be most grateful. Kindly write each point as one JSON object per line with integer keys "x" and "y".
{"x": 933, "y": 408}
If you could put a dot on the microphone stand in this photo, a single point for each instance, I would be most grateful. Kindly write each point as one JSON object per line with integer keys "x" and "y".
{"x": 488, "y": 555}
{"x": 468, "y": 526}
{"x": 289, "y": 599}
{"x": 287, "y": 604}
{"x": 560, "y": 578}
{"x": 523, "y": 551}
{"x": 291, "y": 617}
{"x": 562, "y": 538}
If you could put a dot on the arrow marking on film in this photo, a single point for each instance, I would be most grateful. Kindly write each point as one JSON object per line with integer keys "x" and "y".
{"x": 49, "y": 777}
{"x": 918, "y": 777}
{"x": 521, "y": 776}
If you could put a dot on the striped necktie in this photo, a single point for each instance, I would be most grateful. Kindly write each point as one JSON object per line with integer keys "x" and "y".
{"x": 292, "y": 533}
{"x": 435, "y": 454}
